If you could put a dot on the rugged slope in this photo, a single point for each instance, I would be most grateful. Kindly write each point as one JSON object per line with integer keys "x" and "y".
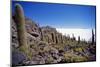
{"x": 46, "y": 46}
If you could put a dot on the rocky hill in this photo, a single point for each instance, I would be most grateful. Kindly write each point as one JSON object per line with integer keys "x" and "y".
{"x": 32, "y": 44}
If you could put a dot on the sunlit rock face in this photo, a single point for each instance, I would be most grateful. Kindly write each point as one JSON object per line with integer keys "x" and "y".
{"x": 32, "y": 28}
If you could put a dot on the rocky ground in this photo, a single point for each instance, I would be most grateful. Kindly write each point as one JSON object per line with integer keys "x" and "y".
{"x": 48, "y": 46}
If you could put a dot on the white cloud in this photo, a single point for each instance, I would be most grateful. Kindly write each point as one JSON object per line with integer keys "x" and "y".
{"x": 83, "y": 33}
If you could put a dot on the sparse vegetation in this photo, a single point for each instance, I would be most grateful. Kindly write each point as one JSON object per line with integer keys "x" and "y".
{"x": 49, "y": 46}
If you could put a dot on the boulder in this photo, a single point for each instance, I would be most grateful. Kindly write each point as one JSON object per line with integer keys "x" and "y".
{"x": 18, "y": 58}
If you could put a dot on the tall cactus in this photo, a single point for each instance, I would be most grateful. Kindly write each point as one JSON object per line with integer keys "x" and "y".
{"x": 78, "y": 39}
{"x": 92, "y": 37}
{"x": 52, "y": 36}
{"x": 62, "y": 39}
{"x": 20, "y": 21}
{"x": 41, "y": 32}
{"x": 73, "y": 37}
{"x": 56, "y": 39}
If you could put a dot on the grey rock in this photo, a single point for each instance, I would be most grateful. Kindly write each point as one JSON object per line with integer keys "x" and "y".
{"x": 18, "y": 57}
{"x": 15, "y": 42}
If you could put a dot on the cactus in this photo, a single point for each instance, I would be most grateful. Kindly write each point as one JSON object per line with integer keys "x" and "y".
{"x": 52, "y": 37}
{"x": 92, "y": 37}
{"x": 41, "y": 33}
{"x": 78, "y": 39}
{"x": 73, "y": 37}
{"x": 20, "y": 21}
{"x": 56, "y": 39}
{"x": 62, "y": 39}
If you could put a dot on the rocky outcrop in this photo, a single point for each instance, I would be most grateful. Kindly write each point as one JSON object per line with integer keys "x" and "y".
{"x": 15, "y": 42}
{"x": 50, "y": 35}
{"x": 44, "y": 45}
{"x": 18, "y": 57}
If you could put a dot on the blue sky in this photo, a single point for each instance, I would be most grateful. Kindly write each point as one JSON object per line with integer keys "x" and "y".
{"x": 59, "y": 15}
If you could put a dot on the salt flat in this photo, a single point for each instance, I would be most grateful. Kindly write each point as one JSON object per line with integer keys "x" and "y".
{"x": 83, "y": 33}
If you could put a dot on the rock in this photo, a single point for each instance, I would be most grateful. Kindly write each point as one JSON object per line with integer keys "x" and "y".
{"x": 46, "y": 45}
{"x": 53, "y": 51}
{"x": 31, "y": 26}
{"x": 15, "y": 42}
{"x": 30, "y": 62}
{"x": 37, "y": 60}
{"x": 49, "y": 34}
{"x": 18, "y": 58}
{"x": 66, "y": 48}
{"x": 34, "y": 34}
